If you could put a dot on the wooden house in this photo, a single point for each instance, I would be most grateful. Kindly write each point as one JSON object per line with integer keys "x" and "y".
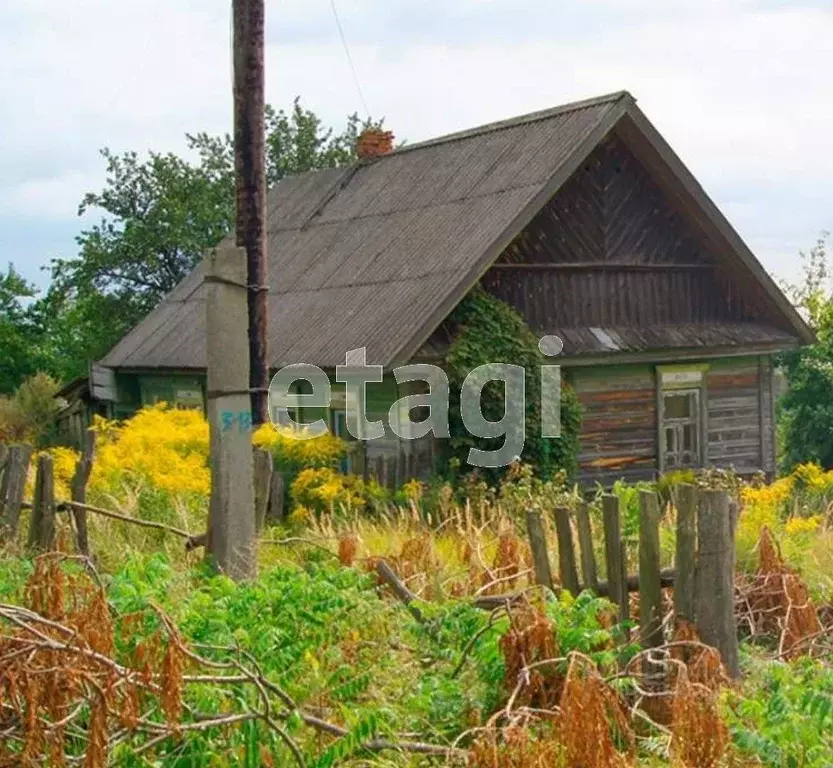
{"x": 584, "y": 219}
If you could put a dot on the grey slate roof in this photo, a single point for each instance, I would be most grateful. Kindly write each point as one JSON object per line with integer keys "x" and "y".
{"x": 363, "y": 256}
{"x": 377, "y": 254}
{"x": 612, "y": 340}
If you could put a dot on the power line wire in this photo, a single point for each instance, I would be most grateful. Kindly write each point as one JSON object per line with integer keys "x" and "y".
{"x": 349, "y": 58}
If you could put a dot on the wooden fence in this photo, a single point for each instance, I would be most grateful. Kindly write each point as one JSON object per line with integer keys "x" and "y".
{"x": 269, "y": 491}
{"x": 702, "y": 577}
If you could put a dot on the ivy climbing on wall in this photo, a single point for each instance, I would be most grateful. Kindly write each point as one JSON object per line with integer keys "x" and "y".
{"x": 488, "y": 330}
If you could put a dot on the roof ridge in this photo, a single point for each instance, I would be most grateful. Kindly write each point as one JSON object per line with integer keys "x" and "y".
{"x": 530, "y": 117}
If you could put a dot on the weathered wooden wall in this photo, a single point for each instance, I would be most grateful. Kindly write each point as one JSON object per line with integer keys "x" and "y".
{"x": 615, "y": 251}
{"x": 619, "y": 433}
{"x": 739, "y": 415}
{"x": 619, "y": 422}
{"x": 768, "y": 397}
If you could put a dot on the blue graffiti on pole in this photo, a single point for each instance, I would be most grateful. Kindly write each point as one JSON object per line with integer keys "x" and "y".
{"x": 243, "y": 420}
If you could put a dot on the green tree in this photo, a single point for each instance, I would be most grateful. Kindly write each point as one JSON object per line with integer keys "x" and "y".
{"x": 18, "y": 338}
{"x": 159, "y": 214}
{"x": 805, "y": 412}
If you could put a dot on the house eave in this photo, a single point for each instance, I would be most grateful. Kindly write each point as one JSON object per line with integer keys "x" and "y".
{"x": 673, "y": 355}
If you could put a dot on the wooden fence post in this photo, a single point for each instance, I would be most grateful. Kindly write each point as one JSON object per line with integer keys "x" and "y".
{"x": 625, "y": 602}
{"x": 4, "y": 456}
{"x": 275, "y": 512}
{"x": 613, "y": 554}
{"x": 78, "y": 492}
{"x": 566, "y": 552}
{"x": 715, "y": 578}
{"x": 538, "y": 545}
{"x": 650, "y": 589}
{"x": 12, "y": 489}
{"x": 42, "y": 525}
{"x": 685, "y": 501}
{"x": 263, "y": 467}
{"x": 585, "y": 542}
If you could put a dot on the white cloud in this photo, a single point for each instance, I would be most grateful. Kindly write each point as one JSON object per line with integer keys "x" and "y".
{"x": 48, "y": 197}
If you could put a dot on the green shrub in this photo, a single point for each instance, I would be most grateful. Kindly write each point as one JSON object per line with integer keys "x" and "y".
{"x": 488, "y": 330}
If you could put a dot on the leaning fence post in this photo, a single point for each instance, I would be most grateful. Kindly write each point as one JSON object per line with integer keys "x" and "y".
{"x": 538, "y": 545}
{"x": 585, "y": 542}
{"x": 715, "y": 578}
{"x": 613, "y": 554}
{"x": 42, "y": 525}
{"x": 685, "y": 501}
{"x": 12, "y": 488}
{"x": 4, "y": 456}
{"x": 650, "y": 590}
{"x": 262, "y": 464}
{"x": 566, "y": 553}
{"x": 275, "y": 513}
{"x": 78, "y": 491}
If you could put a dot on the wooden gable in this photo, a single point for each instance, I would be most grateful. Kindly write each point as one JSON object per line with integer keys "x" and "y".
{"x": 611, "y": 249}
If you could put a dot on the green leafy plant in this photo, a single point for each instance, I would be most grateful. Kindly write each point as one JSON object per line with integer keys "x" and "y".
{"x": 488, "y": 330}
{"x": 784, "y": 714}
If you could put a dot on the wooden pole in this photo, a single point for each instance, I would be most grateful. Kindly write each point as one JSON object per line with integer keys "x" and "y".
{"x": 624, "y": 602}
{"x": 715, "y": 578}
{"x": 538, "y": 545}
{"x": 685, "y": 501}
{"x": 613, "y": 553}
{"x": 4, "y": 455}
{"x": 566, "y": 552}
{"x": 275, "y": 513}
{"x": 250, "y": 166}
{"x": 263, "y": 467}
{"x": 585, "y": 542}
{"x": 12, "y": 489}
{"x": 78, "y": 491}
{"x": 231, "y": 517}
{"x": 42, "y": 525}
{"x": 650, "y": 591}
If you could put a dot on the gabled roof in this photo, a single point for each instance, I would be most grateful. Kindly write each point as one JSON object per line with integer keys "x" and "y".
{"x": 377, "y": 254}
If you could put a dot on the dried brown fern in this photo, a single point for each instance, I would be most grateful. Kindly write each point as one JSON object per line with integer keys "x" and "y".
{"x": 779, "y": 601}
{"x": 592, "y": 722}
{"x": 699, "y": 737}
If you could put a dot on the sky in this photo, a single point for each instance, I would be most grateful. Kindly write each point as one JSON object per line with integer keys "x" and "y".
{"x": 742, "y": 89}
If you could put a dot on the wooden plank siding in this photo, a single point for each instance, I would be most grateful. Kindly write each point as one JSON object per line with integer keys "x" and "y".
{"x": 767, "y": 416}
{"x": 615, "y": 251}
{"x": 734, "y": 415}
{"x": 619, "y": 423}
{"x": 619, "y": 432}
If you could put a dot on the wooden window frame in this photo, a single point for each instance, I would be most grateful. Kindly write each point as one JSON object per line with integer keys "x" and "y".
{"x": 683, "y": 379}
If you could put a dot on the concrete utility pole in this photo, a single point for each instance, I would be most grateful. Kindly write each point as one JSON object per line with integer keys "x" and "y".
{"x": 250, "y": 168}
{"x": 230, "y": 544}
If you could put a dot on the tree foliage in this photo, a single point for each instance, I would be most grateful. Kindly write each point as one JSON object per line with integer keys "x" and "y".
{"x": 28, "y": 415}
{"x": 806, "y": 410}
{"x": 16, "y": 360}
{"x": 158, "y": 214}
{"x": 490, "y": 331}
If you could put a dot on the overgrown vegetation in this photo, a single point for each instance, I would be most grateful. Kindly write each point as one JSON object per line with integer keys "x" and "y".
{"x": 29, "y": 414}
{"x": 147, "y": 657}
{"x": 806, "y": 410}
{"x": 487, "y": 330}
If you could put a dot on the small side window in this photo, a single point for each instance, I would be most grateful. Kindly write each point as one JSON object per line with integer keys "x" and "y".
{"x": 680, "y": 428}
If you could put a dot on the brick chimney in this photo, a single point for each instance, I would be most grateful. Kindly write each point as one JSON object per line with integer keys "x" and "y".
{"x": 373, "y": 142}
